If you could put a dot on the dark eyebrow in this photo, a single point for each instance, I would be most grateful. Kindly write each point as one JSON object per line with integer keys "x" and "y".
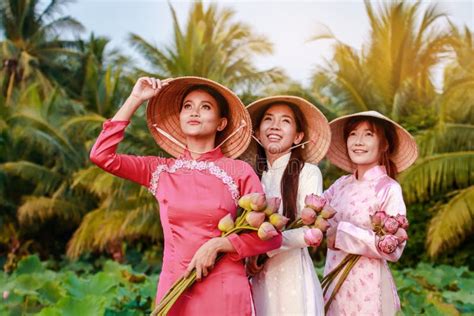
{"x": 205, "y": 101}
{"x": 286, "y": 116}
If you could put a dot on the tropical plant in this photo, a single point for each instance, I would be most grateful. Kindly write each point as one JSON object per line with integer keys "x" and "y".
{"x": 392, "y": 72}
{"x": 38, "y": 165}
{"x": 212, "y": 45}
{"x": 446, "y": 165}
{"x": 32, "y": 49}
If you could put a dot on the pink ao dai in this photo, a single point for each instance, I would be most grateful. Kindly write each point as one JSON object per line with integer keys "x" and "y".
{"x": 369, "y": 288}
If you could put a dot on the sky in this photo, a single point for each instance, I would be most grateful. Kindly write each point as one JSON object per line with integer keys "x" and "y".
{"x": 287, "y": 24}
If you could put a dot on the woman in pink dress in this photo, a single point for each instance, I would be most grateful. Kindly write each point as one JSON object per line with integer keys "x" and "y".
{"x": 374, "y": 149}
{"x": 205, "y": 125}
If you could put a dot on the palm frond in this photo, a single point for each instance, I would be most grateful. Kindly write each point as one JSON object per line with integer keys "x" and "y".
{"x": 43, "y": 177}
{"x": 143, "y": 221}
{"x": 98, "y": 228}
{"x": 436, "y": 174}
{"x": 452, "y": 224}
{"x": 38, "y": 209}
{"x": 448, "y": 137}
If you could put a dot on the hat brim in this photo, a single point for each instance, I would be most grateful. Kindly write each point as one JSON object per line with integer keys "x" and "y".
{"x": 316, "y": 130}
{"x": 403, "y": 157}
{"x": 163, "y": 110}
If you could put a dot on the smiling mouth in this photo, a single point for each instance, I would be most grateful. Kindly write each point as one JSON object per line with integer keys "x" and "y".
{"x": 274, "y": 137}
{"x": 359, "y": 151}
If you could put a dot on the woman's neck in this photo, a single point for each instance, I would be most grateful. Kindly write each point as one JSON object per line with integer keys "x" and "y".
{"x": 362, "y": 169}
{"x": 271, "y": 158}
{"x": 198, "y": 145}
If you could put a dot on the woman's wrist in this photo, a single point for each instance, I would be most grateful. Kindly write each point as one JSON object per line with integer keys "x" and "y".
{"x": 224, "y": 245}
{"x": 134, "y": 101}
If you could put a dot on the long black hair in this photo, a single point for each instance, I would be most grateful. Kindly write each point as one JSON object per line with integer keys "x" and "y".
{"x": 291, "y": 175}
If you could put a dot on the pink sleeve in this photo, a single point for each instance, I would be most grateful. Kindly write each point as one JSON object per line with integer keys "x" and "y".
{"x": 329, "y": 193}
{"x": 249, "y": 244}
{"x": 353, "y": 239}
{"x": 103, "y": 154}
{"x": 248, "y": 181}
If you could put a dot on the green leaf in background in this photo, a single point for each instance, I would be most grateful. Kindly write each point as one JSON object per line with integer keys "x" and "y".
{"x": 99, "y": 284}
{"x": 109, "y": 312}
{"x": 51, "y": 292}
{"x": 69, "y": 306}
{"x": 439, "y": 277}
{"x": 462, "y": 297}
{"x": 30, "y": 264}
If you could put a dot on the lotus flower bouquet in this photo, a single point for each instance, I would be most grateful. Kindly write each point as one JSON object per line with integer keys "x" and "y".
{"x": 315, "y": 216}
{"x": 255, "y": 213}
{"x": 391, "y": 233}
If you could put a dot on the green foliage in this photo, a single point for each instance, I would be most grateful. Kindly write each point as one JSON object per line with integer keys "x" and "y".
{"x": 116, "y": 290}
{"x": 441, "y": 290}
{"x": 33, "y": 50}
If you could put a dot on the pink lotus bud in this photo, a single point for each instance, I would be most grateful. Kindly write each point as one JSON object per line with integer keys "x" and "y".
{"x": 313, "y": 237}
{"x": 258, "y": 202}
{"x": 273, "y": 204}
{"x": 322, "y": 224}
{"x": 244, "y": 202}
{"x": 255, "y": 219}
{"x": 328, "y": 212}
{"x": 279, "y": 221}
{"x": 315, "y": 202}
{"x": 226, "y": 223}
{"x": 402, "y": 235}
{"x": 308, "y": 216}
{"x": 6, "y": 294}
{"x": 388, "y": 244}
{"x": 267, "y": 231}
{"x": 391, "y": 225}
{"x": 403, "y": 221}
{"x": 378, "y": 218}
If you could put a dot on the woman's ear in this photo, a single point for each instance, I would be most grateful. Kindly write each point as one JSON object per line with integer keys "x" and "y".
{"x": 298, "y": 138}
{"x": 222, "y": 124}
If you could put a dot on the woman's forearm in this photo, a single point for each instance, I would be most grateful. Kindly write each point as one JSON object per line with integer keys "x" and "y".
{"x": 127, "y": 110}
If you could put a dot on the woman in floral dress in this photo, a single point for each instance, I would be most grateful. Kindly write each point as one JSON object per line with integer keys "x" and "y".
{"x": 374, "y": 149}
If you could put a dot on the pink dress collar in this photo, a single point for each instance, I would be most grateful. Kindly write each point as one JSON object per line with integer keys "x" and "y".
{"x": 211, "y": 155}
{"x": 371, "y": 174}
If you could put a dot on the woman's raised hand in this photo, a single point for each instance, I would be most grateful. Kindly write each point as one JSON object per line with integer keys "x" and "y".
{"x": 147, "y": 87}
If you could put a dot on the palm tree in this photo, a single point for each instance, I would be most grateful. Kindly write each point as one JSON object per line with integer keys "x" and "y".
{"x": 124, "y": 210}
{"x": 446, "y": 166}
{"x": 37, "y": 167}
{"x": 33, "y": 50}
{"x": 212, "y": 45}
{"x": 392, "y": 72}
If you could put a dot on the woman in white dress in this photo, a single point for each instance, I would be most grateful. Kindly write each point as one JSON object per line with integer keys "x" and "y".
{"x": 293, "y": 135}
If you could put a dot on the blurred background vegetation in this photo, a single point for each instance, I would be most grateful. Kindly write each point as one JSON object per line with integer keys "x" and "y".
{"x": 56, "y": 92}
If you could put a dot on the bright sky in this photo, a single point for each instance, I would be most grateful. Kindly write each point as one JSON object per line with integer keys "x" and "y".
{"x": 288, "y": 24}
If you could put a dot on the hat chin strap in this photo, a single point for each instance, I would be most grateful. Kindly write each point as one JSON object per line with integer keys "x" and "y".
{"x": 291, "y": 148}
{"x": 177, "y": 142}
